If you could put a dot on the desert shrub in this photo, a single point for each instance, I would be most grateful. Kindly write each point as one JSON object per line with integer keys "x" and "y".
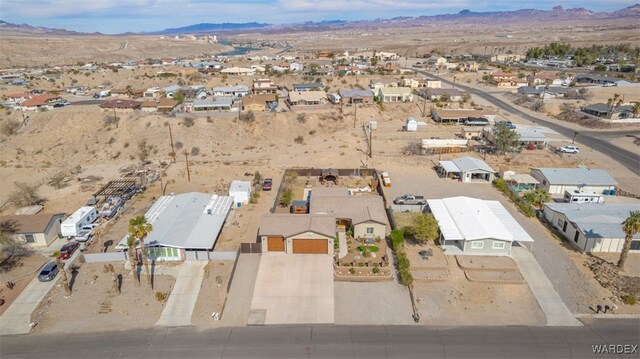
{"x": 58, "y": 181}
{"x": 10, "y": 127}
{"x": 629, "y": 299}
{"x": 188, "y": 122}
{"x": 299, "y": 140}
{"x": 352, "y": 271}
{"x": 286, "y": 197}
{"x": 178, "y": 145}
{"x": 25, "y": 195}
{"x": 144, "y": 150}
{"x": 424, "y": 228}
{"x": 248, "y": 117}
{"x": 108, "y": 120}
{"x": 161, "y": 296}
{"x": 376, "y": 270}
{"x": 125, "y": 145}
{"x": 312, "y": 132}
{"x": 111, "y": 140}
{"x": 301, "y": 118}
{"x": 195, "y": 151}
{"x": 255, "y": 195}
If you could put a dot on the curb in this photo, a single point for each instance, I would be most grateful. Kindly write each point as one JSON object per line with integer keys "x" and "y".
{"x": 494, "y": 281}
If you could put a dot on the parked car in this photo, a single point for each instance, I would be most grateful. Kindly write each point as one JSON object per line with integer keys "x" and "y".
{"x": 507, "y": 124}
{"x": 95, "y": 95}
{"x": 410, "y": 199}
{"x": 67, "y": 250}
{"x": 569, "y": 149}
{"x": 266, "y": 185}
{"x": 48, "y": 272}
{"x": 85, "y": 234}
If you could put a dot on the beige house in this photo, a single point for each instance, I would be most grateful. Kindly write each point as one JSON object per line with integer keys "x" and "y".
{"x": 35, "y": 229}
{"x": 307, "y": 98}
{"x": 395, "y": 94}
{"x": 297, "y": 233}
{"x": 258, "y": 103}
{"x": 264, "y": 86}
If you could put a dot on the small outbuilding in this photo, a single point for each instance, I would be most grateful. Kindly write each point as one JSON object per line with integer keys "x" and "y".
{"x": 240, "y": 191}
{"x": 467, "y": 169}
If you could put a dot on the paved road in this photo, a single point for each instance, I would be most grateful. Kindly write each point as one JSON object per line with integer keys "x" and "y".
{"x": 184, "y": 295}
{"x": 330, "y": 341}
{"x": 591, "y": 139}
{"x": 86, "y": 102}
{"x": 549, "y": 300}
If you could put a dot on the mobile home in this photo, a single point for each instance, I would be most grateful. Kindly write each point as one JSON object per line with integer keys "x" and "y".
{"x": 80, "y": 218}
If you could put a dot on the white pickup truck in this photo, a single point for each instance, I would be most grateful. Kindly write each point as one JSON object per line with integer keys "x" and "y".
{"x": 410, "y": 199}
{"x": 85, "y": 233}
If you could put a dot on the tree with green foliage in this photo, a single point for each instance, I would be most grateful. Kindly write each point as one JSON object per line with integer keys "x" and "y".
{"x": 179, "y": 96}
{"x": 631, "y": 227}
{"x": 538, "y": 197}
{"x": 505, "y": 139}
{"x": 424, "y": 228}
{"x": 139, "y": 228}
{"x": 286, "y": 197}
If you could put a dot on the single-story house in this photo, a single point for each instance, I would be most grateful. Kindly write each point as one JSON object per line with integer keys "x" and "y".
{"x": 603, "y": 110}
{"x": 592, "y": 227}
{"x": 559, "y": 180}
{"x": 171, "y": 91}
{"x": 17, "y": 97}
{"x": 395, "y": 94}
{"x": 461, "y": 115}
{"x": 364, "y": 214}
{"x": 527, "y": 135}
{"x": 544, "y": 79}
{"x": 430, "y": 83}
{"x": 183, "y": 223}
{"x": 159, "y": 105}
{"x": 35, "y": 229}
{"x": 153, "y": 92}
{"x": 240, "y": 191}
{"x": 259, "y": 103}
{"x": 121, "y": 104}
{"x": 214, "y": 104}
{"x": 601, "y": 80}
{"x": 377, "y": 84}
{"x": 476, "y": 226}
{"x": 297, "y": 233}
{"x": 468, "y": 169}
{"x": 40, "y": 102}
{"x": 307, "y": 98}
{"x": 355, "y": 96}
{"x": 237, "y": 71}
{"x": 264, "y": 86}
{"x": 234, "y": 91}
{"x": 541, "y": 91}
{"x": 311, "y": 86}
{"x": 440, "y": 94}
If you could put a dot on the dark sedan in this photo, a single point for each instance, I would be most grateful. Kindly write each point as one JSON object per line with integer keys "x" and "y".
{"x": 67, "y": 250}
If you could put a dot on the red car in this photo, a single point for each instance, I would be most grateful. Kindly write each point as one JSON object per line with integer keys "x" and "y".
{"x": 67, "y": 250}
{"x": 266, "y": 185}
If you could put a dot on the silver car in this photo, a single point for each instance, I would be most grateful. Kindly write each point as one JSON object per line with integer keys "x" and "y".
{"x": 48, "y": 272}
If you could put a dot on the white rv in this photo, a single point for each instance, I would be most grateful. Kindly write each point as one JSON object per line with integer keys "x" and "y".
{"x": 80, "y": 218}
{"x": 583, "y": 197}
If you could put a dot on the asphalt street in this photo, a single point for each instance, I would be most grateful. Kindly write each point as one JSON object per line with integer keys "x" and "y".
{"x": 331, "y": 341}
{"x": 591, "y": 139}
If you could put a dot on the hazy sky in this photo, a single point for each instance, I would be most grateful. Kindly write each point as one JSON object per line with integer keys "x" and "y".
{"x": 117, "y": 16}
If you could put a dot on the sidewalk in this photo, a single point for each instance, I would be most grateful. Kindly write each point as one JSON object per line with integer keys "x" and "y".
{"x": 549, "y": 300}
{"x": 342, "y": 240}
{"x": 184, "y": 295}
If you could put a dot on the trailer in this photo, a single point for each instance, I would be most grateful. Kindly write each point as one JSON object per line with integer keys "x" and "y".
{"x": 583, "y": 197}
{"x": 72, "y": 226}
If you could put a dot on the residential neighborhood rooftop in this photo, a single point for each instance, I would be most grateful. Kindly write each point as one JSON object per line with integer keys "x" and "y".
{"x": 580, "y": 176}
{"x": 600, "y": 220}
{"x": 288, "y": 225}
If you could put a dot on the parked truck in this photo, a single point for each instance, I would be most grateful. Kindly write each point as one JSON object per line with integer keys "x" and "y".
{"x": 72, "y": 226}
{"x": 410, "y": 199}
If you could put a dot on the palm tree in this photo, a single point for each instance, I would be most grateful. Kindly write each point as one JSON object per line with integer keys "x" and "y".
{"x": 538, "y": 197}
{"x": 575, "y": 134}
{"x": 631, "y": 227}
{"x": 63, "y": 273}
{"x": 138, "y": 229}
{"x": 133, "y": 257}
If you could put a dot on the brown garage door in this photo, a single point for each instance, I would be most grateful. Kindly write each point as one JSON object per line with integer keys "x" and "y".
{"x": 275, "y": 244}
{"x": 314, "y": 246}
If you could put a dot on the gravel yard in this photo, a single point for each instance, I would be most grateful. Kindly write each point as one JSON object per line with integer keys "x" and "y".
{"x": 382, "y": 303}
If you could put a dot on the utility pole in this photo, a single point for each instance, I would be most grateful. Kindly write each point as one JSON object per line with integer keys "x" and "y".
{"x": 424, "y": 105}
{"x": 186, "y": 157}
{"x": 173, "y": 151}
{"x": 115, "y": 118}
{"x": 370, "y": 141}
{"x": 355, "y": 114}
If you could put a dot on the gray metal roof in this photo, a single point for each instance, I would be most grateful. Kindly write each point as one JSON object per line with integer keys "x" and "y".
{"x": 184, "y": 221}
{"x": 596, "y": 220}
{"x": 356, "y": 93}
{"x": 216, "y": 102}
{"x": 466, "y": 164}
{"x": 239, "y": 88}
{"x": 310, "y": 85}
{"x": 577, "y": 176}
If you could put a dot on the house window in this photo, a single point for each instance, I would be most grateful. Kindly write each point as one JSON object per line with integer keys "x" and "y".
{"x": 369, "y": 230}
{"x": 498, "y": 245}
{"x": 560, "y": 223}
{"x": 477, "y": 245}
{"x": 575, "y": 238}
{"x": 30, "y": 238}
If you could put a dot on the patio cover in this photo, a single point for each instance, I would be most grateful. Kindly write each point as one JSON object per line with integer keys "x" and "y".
{"x": 449, "y": 167}
{"x": 524, "y": 179}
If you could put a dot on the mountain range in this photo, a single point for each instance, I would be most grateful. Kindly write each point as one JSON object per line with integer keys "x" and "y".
{"x": 558, "y": 13}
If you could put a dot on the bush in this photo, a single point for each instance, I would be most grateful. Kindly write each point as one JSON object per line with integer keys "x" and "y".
{"x": 301, "y": 118}
{"x": 376, "y": 270}
{"x": 629, "y": 299}
{"x": 143, "y": 150}
{"x": 299, "y": 140}
{"x": 178, "y": 145}
{"x": 352, "y": 271}
{"x": 524, "y": 207}
{"x": 286, "y": 197}
{"x": 25, "y": 195}
{"x": 248, "y": 117}
{"x": 195, "y": 151}
{"x": 161, "y": 296}
{"x": 188, "y": 122}
{"x": 10, "y": 127}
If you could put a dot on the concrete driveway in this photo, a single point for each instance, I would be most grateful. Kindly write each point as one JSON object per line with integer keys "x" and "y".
{"x": 293, "y": 289}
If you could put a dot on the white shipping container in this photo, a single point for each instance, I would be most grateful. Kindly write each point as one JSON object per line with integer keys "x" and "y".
{"x": 80, "y": 218}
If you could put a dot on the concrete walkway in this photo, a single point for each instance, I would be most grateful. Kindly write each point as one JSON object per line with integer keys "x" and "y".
{"x": 184, "y": 295}
{"x": 238, "y": 304}
{"x": 342, "y": 241}
{"x": 549, "y": 300}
